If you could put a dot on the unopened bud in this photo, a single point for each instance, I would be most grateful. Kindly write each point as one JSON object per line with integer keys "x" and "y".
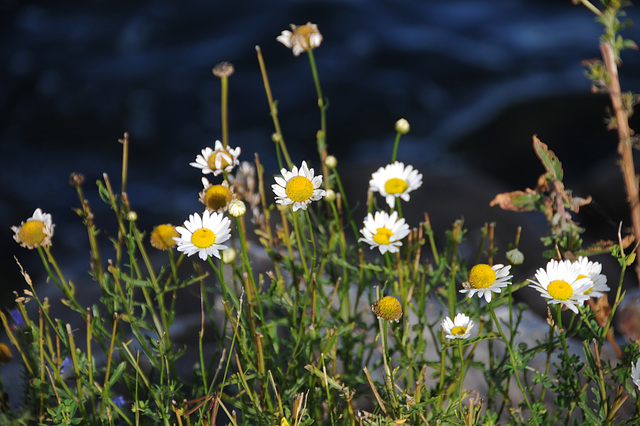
{"x": 515, "y": 257}
{"x": 132, "y": 216}
{"x": 228, "y": 255}
{"x": 236, "y": 208}
{"x": 330, "y": 195}
{"x": 331, "y": 161}
{"x": 402, "y": 126}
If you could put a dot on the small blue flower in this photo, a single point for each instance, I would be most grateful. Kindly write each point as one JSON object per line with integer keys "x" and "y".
{"x": 67, "y": 363}
{"x": 17, "y": 318}
{"x": 119, "y": 401}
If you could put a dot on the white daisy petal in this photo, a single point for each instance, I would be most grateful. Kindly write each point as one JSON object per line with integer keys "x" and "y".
{"x": 459, "y": 328}
{"x": 203, "y": 235}
{"x": 484, "y": 280}
{"x": 560, "y": 282}
{"x": 299, "y": 187}
{"x": 592, "y": 271}
{"x": 384, "y": 231}
{"x": 395, "y": 181}
{"x": 217, "y": 160}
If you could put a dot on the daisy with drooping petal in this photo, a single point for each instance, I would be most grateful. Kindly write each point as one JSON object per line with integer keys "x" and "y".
{"x": 459, "y": 328}
{"x": 592, "y": 271}
{"x": 485, "y": 280}
{"x": 298, "y": 187}
{"x": 35, "y": 232}
{"x": 217, "y": 160}
{"x": 384, "y": 231}
{"x": 395, "y": 180}
{"x": 204, "y": 235}
{"x": 560, "y": 283}
{"x": 635, "y": 373}
{"x": 301, "y": 38}
{"x": 215, "y": 197}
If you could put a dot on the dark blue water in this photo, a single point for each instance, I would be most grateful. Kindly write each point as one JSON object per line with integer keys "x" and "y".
{"x": 475, "y": 78}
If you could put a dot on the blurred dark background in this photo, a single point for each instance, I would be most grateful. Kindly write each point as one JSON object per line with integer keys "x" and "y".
{"x": 475, "y": 79}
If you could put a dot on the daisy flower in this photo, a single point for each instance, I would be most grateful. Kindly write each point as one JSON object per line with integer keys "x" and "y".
{"x": 301, "y": 38}
{"x": 560, "y": 282}
{"x": 388, "y": 308}
{"x": 485, "y": 280}
{"x": 459, "y": 328}
{"x": 217, "y": 160}
{"x": 635, "y": 373}
{"x": 204, "y": 235}
{"x": 215, "y": 197}
{"x": 395, "y": 180}
{"x": 298, "y": 187}
{"x": 35, "y": 232}
{"x": 591, "y": 270}
{"x": 384, "y": 231}
{"x": 162, "y": 236}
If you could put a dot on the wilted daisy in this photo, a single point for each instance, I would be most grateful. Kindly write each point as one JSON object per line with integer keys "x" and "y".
{"x": 204, "y": 235}
{"x": 560, "y": 283}
{"x": 298, "y": 187}
{"x": 217, "y": 160}
{"x": 395, "y": 180}
{"x": 301, "y": 38}
{"x": 592, "y": 271}
{"x": 215, "y": 197}
{"x": 635, "y": 373}
{"x": 162, "y": 236}
{"x": 35, "y": 232}
{"x": 459, "y": 328}
{"x": 388, "y": 308}
{"x": 384, "y": 231}
{"x": 485, "y": 280}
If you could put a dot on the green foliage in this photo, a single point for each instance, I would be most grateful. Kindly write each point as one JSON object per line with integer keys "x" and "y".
{"x": 295, "y": 342}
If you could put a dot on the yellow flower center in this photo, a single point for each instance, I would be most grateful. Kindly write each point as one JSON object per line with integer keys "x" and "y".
{"x": 382, "y": 236}
{"x": 217, "y": 197}
{"x": 395, "y": 186}
{"x": 299, "y": 189}
{"x": 560, "y": 290}
{"x": 32, "y": 233}
{"x": 162, "y": 236}
{"x": 458, "y": 330}
{"x": 587, "y": 291}
{"x": 388, "y": 308}
{"x": 203, "y": 238}
{"x": 482, "y": 276}
{"x": 225, "y": 159}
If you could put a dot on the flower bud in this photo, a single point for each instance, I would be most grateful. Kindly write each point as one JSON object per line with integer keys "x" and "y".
{"x": 236, "y": 208}
{"x": 402, "y": 126}
{"x": 515, "y": 257}
{"x": 330, "y": 195}
{"x": 228, "y": 255}
{"x": 331, "y": 161}
{"x": 132, "y": 216}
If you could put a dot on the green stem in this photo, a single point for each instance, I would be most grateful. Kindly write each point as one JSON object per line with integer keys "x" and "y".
{"x": 512, "y": 358}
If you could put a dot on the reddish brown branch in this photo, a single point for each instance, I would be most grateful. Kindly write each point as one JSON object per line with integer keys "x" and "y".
{"x": 624, "y": 140}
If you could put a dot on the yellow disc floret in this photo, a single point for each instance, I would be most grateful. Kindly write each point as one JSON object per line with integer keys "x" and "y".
{"x": 203, "y": 238}
{"x": 162, "y": 236}
{"x": 560, "y": 290}
{"x": 587, "y": 291}
{"x": 216, "y": 197}
{"x": 388, "y": 308}
{"x": 299, "y": 189}
{"x": 395, "y": 186}
{"x": 458, "y": 330}
{"x": 382, "y": 236}
{"x": 481, "y": 276}
{"x": 32, "y": 233}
